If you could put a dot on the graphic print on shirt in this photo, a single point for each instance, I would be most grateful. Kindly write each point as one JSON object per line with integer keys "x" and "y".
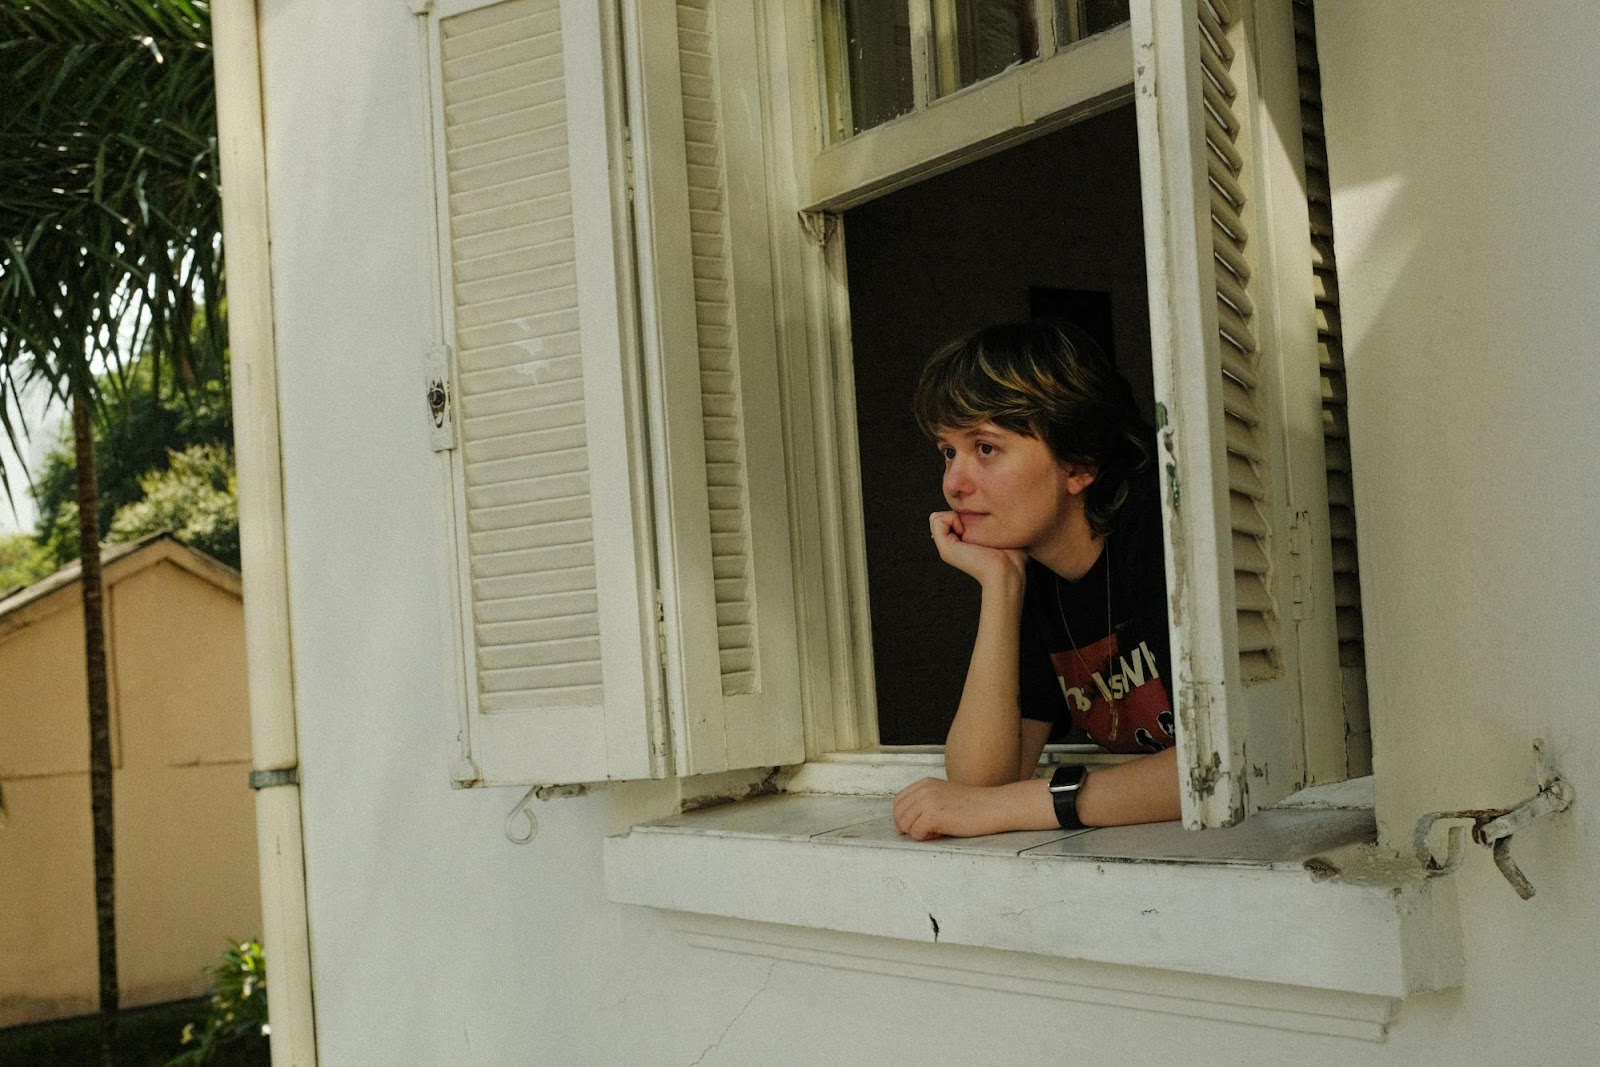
{"x": 1117, "y": 698}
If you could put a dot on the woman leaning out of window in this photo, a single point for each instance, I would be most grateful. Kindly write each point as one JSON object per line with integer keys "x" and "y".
{"x": 1054, "y": 511}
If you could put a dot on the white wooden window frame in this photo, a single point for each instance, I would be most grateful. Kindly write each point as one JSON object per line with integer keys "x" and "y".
{"x": 664, "y": 713}
{"x": 1285, "y": 734}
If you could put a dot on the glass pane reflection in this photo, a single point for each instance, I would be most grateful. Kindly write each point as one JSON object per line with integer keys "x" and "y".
{"x": 977, "y": 39}
{"x": 868, "y": 49}
{"x": 1077, "y": 19}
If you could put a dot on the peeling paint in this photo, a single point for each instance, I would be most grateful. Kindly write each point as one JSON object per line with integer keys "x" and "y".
{"x": 766, "y": 787}
{"x": 1320, "y": 869}
{"x": 935, "y": 924}
{"x": 1203, "y": 779}
{"x": 1161, "y": 415}
{"x": 556, "y": 792}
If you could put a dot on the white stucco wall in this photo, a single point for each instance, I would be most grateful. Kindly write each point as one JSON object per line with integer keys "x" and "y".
{"x": 1463, "y": 154}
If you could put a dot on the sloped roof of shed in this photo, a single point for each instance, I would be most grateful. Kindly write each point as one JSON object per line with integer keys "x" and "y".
{"x": 118, "y": 561}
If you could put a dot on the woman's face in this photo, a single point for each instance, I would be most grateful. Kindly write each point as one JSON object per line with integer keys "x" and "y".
{"x": 1007, "y": 489}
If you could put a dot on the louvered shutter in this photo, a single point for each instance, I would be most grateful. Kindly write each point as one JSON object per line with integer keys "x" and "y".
{"x": 1356, "y": 732}
{"x": 711, "y": 344}
{"x": 1229, "y": 490}
{"x": 556, "y": 591}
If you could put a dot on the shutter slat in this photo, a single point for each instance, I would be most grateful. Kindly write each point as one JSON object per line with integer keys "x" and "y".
{"x": 1250, "y": 593}
{"x": 1234, "y": 294}
{"x": 1218, "y": 74}
{"x": 1246, "y": 516}
{"x": 1243, "y": 478}
{"x": 1236, "y": 365}
{"x": 1226, "y": 183}
{"x": 1247, "y": 555}
{"x": 1218, "y": 141}
{"x": 1227, "y": 227}
{"x": 1237, "y": 401}
{"x": 1214, "y": 37}
{"x": 1254, "y": 633}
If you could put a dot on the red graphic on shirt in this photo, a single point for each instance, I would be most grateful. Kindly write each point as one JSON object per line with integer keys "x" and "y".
{"x": 1118, "y": 699}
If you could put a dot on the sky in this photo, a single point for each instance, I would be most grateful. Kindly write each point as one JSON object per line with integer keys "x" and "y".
{"x": 46, "y": 428}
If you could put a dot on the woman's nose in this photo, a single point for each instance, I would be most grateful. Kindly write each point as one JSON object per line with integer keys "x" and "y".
{"x": 956, "y": 482}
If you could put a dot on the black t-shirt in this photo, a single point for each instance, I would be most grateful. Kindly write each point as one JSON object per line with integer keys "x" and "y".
{"x": 1109, "y": 679}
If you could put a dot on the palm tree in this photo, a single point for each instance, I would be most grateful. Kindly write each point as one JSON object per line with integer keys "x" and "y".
{"x": 109, "y": 244}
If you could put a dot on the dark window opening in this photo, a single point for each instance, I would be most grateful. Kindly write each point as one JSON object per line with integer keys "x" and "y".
{"x": 1051, "y": 228}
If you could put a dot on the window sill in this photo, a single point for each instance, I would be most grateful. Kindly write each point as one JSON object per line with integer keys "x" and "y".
{"x": 1241, "y": 903}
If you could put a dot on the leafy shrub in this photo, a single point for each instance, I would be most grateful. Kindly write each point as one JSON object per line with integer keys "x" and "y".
{"x": 236, "y": 1010}
{"x": 196, "y": 497}
{"x": 23, "y": 562}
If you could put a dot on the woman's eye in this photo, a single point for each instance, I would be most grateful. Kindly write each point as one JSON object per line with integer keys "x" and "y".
{"x": 948, "y": 454}
{"x": 985, "y": 449}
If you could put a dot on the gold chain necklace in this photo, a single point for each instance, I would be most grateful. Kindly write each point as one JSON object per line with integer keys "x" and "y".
{"x": 1116, "y": 711}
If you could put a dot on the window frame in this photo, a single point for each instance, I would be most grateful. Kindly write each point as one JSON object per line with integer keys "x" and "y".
{"x": 939, "y": 135}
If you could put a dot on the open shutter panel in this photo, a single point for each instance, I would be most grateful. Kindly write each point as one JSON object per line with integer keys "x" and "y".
{"x": 556, "y": 602}
{"x": 705, "y": 270}
{"x": 1330, "y": 344}
{"x": 1243, "y": 430}
{"x": 727, "y": 475}
{"x": 1222, "y": 463}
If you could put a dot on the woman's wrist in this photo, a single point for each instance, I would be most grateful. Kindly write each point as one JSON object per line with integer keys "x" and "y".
{"x": 1006, "y": 583}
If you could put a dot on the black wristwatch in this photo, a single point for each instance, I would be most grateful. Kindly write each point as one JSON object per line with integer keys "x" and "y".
{"x": 1064, "y": 786}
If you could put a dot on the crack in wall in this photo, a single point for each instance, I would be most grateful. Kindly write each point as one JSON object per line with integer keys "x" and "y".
{"x": 739, "y": 1015}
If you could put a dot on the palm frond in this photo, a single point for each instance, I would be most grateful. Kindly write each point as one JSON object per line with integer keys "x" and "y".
{"x": 110, "y": 214}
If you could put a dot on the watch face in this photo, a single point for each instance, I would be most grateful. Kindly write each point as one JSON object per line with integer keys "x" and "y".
{"x": 1068, "y": 779}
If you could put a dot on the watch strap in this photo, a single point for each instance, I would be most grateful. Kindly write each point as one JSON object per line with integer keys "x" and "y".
{"x": 1064, "y": 786}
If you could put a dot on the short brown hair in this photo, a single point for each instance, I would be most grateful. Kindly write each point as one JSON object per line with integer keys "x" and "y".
{"x": 1044, "y": 380}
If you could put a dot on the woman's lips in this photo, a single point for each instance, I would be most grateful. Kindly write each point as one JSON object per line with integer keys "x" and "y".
{"x": 970, "y": 516}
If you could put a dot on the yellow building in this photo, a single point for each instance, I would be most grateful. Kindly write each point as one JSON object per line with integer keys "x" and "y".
{"x": 185, "y": 834}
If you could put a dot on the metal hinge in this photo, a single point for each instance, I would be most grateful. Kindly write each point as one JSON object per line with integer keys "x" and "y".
{"x": 1493, "y": 827}
{"x": 820, "y": 226}
{"x": 661, "y": 632}
{"x": 1299, "y": 553}
{"x": 627, "y": 160}
{"x": 276, "y": 777}
{"x": 436, "y": 386}
{"x": 464, "y": 773}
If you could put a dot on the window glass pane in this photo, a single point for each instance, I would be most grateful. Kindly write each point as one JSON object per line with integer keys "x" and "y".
{"x": 1101, "y": 15}
{"x": 868, "y": 49}
{"x": 1077, "y": 19}
{"x": 977, "y": 39}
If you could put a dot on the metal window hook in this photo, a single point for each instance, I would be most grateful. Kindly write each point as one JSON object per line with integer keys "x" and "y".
{"x": 522, "y": 825}
{"x": 1493, "y": 827}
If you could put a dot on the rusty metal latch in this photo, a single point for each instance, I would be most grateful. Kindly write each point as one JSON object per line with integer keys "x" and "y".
{"x": 1493, "y": 827}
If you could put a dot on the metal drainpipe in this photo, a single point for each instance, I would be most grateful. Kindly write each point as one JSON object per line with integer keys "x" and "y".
{"x": 275, "y": 752}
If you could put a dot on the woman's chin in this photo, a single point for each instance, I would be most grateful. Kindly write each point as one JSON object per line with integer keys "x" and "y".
{"x": 989, "y": 540}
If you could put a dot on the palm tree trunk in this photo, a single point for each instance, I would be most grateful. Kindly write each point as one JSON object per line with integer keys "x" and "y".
{"x": 94, "y": 647}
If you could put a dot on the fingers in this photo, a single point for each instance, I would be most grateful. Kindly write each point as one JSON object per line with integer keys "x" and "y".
{"x": 916, "y": 813}
{"x": 909, "y": 806}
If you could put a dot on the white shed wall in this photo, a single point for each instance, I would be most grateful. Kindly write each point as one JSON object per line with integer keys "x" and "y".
{"x": 1463, "y": 154}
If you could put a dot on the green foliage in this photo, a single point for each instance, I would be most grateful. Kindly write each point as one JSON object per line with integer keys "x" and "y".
{"x": 196, "y": 497}
{"x": 236, "y": 1010}
{"x": 140, "y": 427}
{"x": 23, "y": 561}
